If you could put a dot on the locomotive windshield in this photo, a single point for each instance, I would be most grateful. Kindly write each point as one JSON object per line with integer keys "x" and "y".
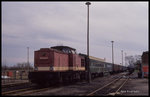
{"x": 66, "y": 50}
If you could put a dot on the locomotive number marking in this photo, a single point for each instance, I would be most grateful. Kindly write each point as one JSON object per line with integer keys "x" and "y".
{"x": 43, "y": 57}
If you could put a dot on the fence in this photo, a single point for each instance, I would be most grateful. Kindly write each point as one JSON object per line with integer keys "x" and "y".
{"x": 9, "y": 76}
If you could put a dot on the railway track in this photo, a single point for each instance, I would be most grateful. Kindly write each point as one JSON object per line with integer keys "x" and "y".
{"x": 25, "y": 91}
{"x": 15, "y": 91}
{"x": 32, "y": 88}
{"x": 14, "y": 84}
{"x": 117, "y": 91}
{"x": 111, "y": 88}
{"x": 16, "y": 87}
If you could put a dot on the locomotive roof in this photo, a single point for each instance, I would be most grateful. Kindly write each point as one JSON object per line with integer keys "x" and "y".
{"x": 61, "y": 47}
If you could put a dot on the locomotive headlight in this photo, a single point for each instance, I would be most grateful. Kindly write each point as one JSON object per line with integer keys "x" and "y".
{"x": 36, "y": 68}
{"x": 51, "y": 68}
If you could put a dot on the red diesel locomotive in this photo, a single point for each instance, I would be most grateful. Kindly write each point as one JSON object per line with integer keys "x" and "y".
{"x": 59, "y": 63}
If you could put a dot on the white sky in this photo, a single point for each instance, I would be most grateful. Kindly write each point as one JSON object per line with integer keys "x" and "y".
{"x": 45, "y": 24}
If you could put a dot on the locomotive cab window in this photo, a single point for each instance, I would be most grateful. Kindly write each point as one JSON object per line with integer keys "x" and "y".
{"x": 69, "y": 51}
{"x": 73, "y": 52}
{"x": 65, "y": 50}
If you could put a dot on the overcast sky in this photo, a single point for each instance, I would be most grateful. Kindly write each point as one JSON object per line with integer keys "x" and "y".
{"x": 44, "y": 24}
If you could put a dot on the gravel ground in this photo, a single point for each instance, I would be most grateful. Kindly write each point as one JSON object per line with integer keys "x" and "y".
{"x": 136, "y": 87}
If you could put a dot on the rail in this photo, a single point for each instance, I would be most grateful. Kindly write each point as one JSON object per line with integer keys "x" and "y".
{"x": 92, "y": 93}
{"x": 107, "y": 85}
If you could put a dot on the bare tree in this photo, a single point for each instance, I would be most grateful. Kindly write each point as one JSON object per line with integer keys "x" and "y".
{"x": 21, "y": 66}
{"x": 133, "y": 60}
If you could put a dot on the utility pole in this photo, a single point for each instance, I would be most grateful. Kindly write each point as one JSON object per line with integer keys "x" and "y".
{"x": 89, "y": 74}
{"x": 28, "y": 59}
{"x": 125, "y": 59}
{"x": 122, "y": 56}
{"x": 112, "y": 54}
